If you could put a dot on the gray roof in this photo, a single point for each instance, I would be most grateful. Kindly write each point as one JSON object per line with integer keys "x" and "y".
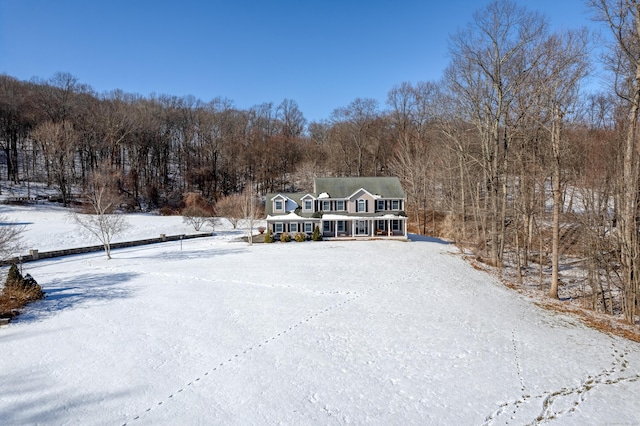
{"x": 342, "y": 187}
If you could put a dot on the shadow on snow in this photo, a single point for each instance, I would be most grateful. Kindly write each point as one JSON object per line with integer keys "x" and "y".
{"x": 427, "y": 239}
{"x": 35, "y": 399}
{"x": 174, "y": 255}
{"x": 67, "y": 294}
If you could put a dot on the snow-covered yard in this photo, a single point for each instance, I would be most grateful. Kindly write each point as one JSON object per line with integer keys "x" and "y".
{"x": 220, "y": 332}
{"x": 50, "y": 227}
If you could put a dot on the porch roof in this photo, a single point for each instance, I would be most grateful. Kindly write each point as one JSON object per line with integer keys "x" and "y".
{"x": 290, "y": 217}
{"x": 360, "y": 216}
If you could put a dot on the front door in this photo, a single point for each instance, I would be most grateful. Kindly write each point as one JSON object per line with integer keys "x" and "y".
{"x": 362, "y": 228}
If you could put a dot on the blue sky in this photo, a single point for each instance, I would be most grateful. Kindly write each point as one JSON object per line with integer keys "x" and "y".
{"x": 322, "y": 54}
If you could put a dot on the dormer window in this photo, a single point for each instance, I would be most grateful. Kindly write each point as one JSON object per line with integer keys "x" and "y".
{"x": 308, "y": 205}
{"x": 278, "y": 205}
{"x": 362, "y": 206}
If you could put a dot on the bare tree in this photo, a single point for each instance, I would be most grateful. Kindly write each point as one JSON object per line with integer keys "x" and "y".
{"x": 10, "y": 237}
{"x": 229, "y": 207}
{"x": 559, "y": 75}
{"x": 291, "y": 117}
{"x": 623, "y": 19}
{"x": 353, "y": 129}
{"x": 100, "y": 217}
{"x": 15, "y": 122}
{"x": 489, "y": 62}
{"x": 198, "y": 212}
{"x": 56, "y": 97}
{"x": 251, "y": 209}
{"x": 58, "y": 143}
{"x": 411, "y": 113}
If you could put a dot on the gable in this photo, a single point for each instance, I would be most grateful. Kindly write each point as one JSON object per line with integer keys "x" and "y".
{"x": 279, "y": 197}
{"x": 362, "y": 193}
{"x": 290, "y": 202}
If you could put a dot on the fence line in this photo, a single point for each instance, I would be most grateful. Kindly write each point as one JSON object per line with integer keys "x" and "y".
{"x": 36, "y": 255}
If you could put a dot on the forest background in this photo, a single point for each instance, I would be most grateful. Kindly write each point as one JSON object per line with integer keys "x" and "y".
{"x": 506, "y": 154}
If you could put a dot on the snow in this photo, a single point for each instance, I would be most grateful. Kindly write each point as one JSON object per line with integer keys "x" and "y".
{"x": 49, "y": 227}
{"x": 286, "y": 217}
{"x": 357, "y": 332}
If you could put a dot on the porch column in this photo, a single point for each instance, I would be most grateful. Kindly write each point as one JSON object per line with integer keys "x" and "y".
{"x": 353, "y": 228}
{"x": 335, "y": 228}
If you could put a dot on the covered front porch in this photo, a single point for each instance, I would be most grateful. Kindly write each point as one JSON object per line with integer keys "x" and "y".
{"x": 291, "y": 224}
{"x": 364, "y": 227}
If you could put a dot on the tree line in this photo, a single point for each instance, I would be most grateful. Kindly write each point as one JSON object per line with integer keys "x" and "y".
{"x": 507, "y": 154}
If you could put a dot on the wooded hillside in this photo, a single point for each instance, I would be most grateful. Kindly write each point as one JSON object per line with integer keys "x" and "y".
{"x": 505, "y": 155}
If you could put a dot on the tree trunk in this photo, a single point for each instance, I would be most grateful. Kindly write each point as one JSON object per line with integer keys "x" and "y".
{"x": 628, "y": 216}
{"x": 557, "y": 203}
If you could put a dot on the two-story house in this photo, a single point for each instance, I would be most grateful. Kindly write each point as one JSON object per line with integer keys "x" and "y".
{"x": 341, "y": 207}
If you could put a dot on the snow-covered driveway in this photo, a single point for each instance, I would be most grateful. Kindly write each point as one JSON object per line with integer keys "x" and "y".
{"x": 378, "y": 332}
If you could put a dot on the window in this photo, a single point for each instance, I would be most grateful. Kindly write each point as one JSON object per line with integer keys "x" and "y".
{"x": 380, "y": 205}
{"x": 362, "y": 206}
{"x": 278, "y": 228}
{"x": 341, "y": 226}
{"x": 395, "y": 225}
{"x": 326, "y": 206}
{"x": 278, "y": 206}
{"x": 308, "y": 227}
{"x": 395, "y": 204}
{"x": 308, "y": 205}
{"x": 326, "y": 226}
{"x": 293, "y": 227}
{"x": 340, "y": 205}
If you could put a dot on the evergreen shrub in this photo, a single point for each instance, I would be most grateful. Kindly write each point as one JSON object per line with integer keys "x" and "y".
{"x": 17, "y": 292}
{"x": 316, "y": 234}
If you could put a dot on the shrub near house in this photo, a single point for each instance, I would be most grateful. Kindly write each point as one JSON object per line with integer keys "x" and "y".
{"x": 285, "y": 238}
